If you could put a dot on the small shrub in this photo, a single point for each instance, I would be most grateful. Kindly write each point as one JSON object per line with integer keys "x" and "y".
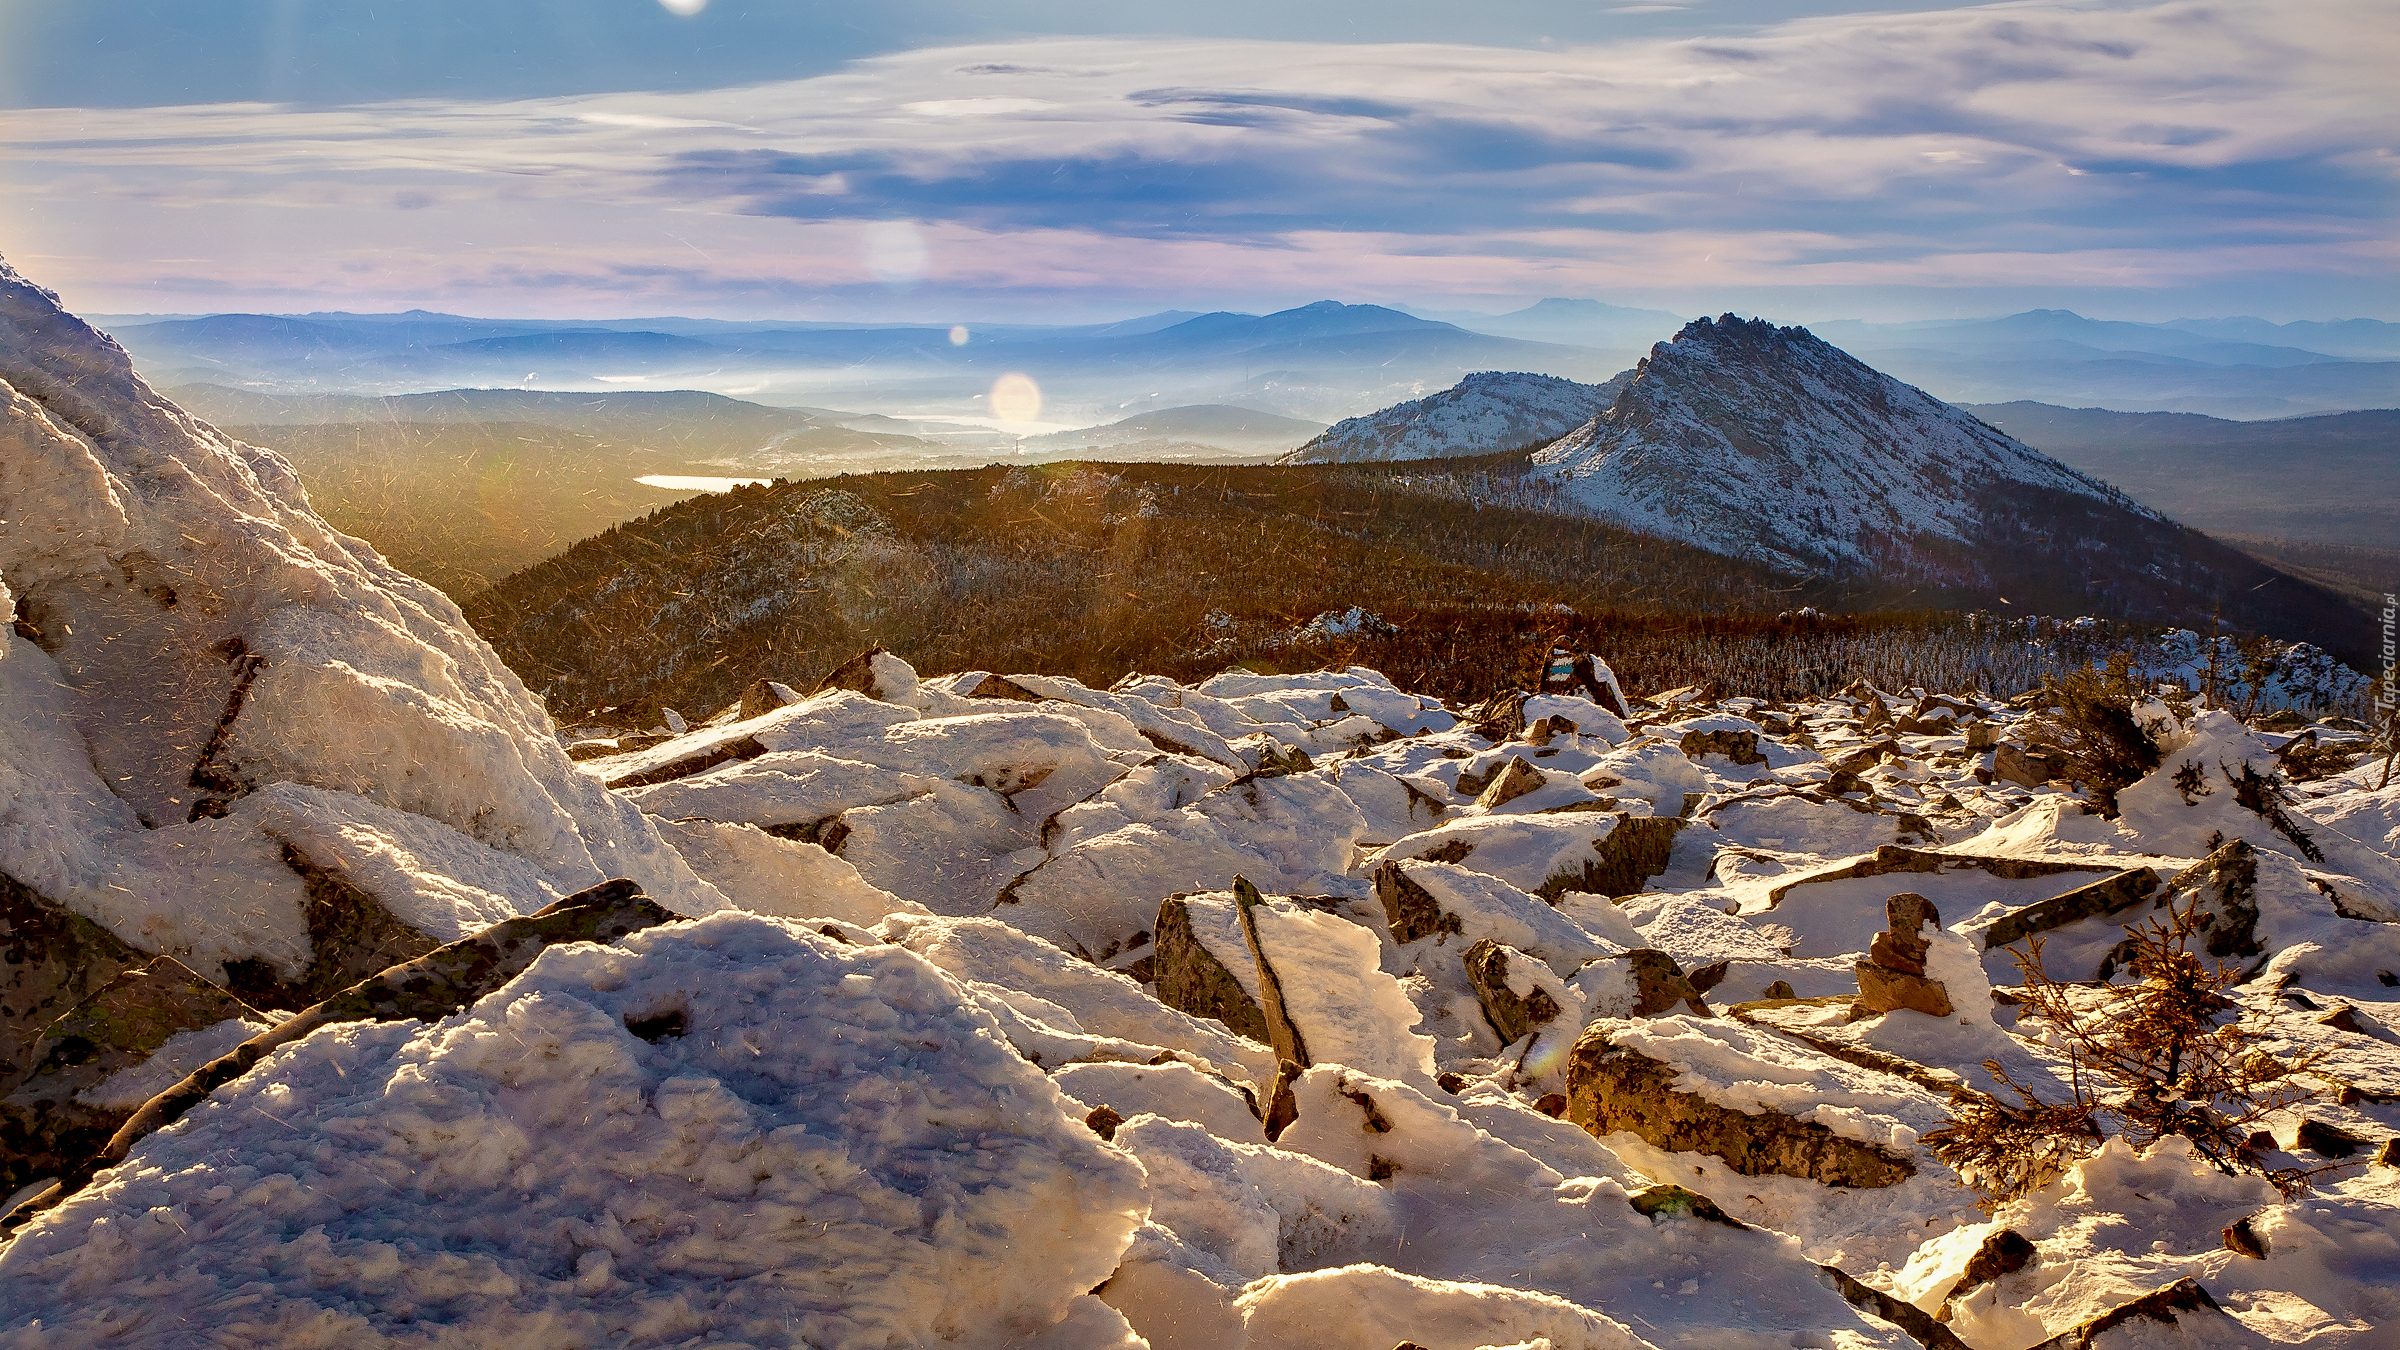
{"x": 2145, "y": 1060}
{"x": 2091, "y": 718}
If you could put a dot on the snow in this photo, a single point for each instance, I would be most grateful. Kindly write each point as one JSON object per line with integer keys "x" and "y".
{"x": 2123, "y": 1223}
{"x": 878, "y": 1121}
{"x": 1752, "y": 1070}
{"x": 1095, "y": 892}
{"x": 1348, "y": 1010}
{"x": 782, "y": 877}
{"x": 1106, "y": 1003}
{"x": 1487, "y": 907}
{"x": 1799, "y": 454}
{"x": 836, "y": 1150}
{"x": 1371, "y": 1308}
{"x": 1172, "y": 1090}
{"x": 1587, "y": 717}
{"x": 182, "y": 575}
{"x": 1524, "y": 851}
{"x": 1482, "y": 413}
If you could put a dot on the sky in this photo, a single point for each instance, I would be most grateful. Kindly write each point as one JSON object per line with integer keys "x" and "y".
{"x": 1056, "y": 160}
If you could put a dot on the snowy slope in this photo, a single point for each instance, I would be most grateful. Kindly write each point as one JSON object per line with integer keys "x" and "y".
{"x": 213, "y": 674}
{"x": 1768, "y": 443}
{"x": 1485, "y": 412}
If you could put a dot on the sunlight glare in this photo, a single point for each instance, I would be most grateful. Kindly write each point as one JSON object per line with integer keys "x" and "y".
{"x": 1016, "y": 398}
{"x": 895, "y": 251}
{"x": 683, "y": 9}
{"x": 958, "y": 335}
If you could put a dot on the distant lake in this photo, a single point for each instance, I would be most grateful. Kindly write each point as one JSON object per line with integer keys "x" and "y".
{"x": 680, "y": 483}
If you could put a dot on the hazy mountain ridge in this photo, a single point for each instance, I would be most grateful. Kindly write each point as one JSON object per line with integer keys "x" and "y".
{"x": 1314, "y": 361}
{"x": 2331, "y": 478}
{"x": 1199, "y": 425}
{"x": 1321, "y": 362}
{"x": 1583, "y": 322}
{"x": 2223, "y": 367}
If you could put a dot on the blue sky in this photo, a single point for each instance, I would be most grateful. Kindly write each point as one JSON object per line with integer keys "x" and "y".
{"x": 930, "y": 159}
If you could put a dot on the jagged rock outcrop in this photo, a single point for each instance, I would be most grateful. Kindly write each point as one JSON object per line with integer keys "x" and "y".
{"x": 1513, "y": 779}
{"x": 1513, "y": 1014}
{"x": 1193, "y": 963}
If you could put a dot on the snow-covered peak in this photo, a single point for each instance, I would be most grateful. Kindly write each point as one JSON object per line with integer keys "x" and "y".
{"x": 1488, "y": 411}
{"x": 1764, "y": 442}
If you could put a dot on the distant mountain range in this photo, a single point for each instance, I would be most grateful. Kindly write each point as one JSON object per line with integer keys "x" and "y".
{"x": 1313, "y": 362}
{"x": 1585, "y": 323}
{"x": 1182, "y": 433}
{"x": 2328, "y": 479}
{"x": 1320, "y": 362}
{"x": 2222, "y": 367}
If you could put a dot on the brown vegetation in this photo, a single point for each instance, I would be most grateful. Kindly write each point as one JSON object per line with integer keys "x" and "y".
{"x": 462, "y": 505}
{"x": 2144, "y": 1061}
{"x": 1096, "y": 570}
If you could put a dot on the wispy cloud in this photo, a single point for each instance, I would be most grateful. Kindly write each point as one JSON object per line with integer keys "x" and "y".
{"x": 2162, "y": 148}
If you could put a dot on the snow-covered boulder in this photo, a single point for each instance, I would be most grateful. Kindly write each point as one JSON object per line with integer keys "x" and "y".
{"x": 731, "y": 1128}
{"x": 1763, "y": 1103}
{"x": 192, "y": 632}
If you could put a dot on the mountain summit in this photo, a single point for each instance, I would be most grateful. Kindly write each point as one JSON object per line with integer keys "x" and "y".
{"x": 1770, "y": 443}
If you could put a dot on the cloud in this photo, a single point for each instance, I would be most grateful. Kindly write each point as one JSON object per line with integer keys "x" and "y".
{"x": 2162, "y": 146}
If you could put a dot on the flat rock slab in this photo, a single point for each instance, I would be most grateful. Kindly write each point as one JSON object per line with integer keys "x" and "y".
{"x": 1612, "y": 1089}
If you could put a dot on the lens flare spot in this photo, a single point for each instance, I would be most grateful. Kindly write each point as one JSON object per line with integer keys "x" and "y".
{"x": 895, "y": 251}
{"x": 683, "y": 9}
{"x": 1016, "y": 398}
{"x": 958, "y": 335}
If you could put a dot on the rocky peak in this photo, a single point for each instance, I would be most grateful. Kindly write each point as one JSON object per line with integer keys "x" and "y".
{"x": 1768, "y": 442}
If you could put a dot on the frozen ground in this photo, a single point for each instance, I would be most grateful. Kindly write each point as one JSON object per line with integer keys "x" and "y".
{"x": 968, "y": 1039}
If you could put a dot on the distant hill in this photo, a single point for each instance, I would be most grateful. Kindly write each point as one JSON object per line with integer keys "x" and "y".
{"x": 687, "y": 424}
{"x": 1487, "y": 411}
{"x": 2329, "y": 479}
{"x": 462, "y": 505}
{"x": 1770, "y": 443}
{"x": 2356, "y": 339}
{"x": 1092, "y": 569}
{"x": 1584, "y": 323}
{"x": 2365, "y": 575}
{"x": 2227, "y": 368}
